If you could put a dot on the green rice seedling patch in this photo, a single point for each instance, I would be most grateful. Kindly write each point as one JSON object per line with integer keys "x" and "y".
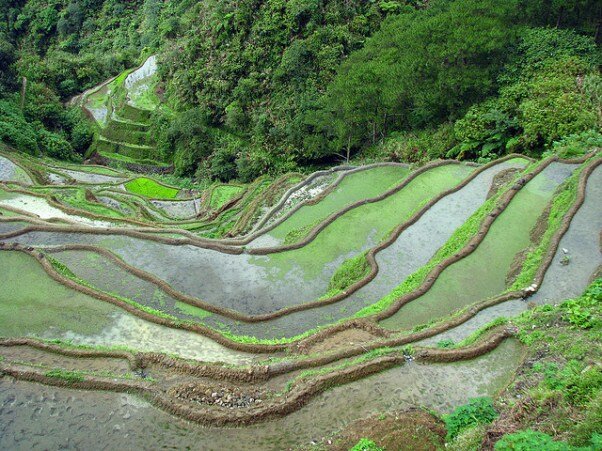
{"x": 356, "y": 186}
{"x": 349, "y": 272}
{"x": 149, "y": 188}
{"x": 69, "y": 376}
{"x": 192, "y": 310}
{"x": 475, "y": 277}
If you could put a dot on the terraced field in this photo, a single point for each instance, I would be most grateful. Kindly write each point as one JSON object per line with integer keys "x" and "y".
{"x": 290, "y": 306}
{"x": 121, "y": 109}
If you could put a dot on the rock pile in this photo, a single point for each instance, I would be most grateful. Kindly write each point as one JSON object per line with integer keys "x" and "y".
{"x": 229, "y": 397}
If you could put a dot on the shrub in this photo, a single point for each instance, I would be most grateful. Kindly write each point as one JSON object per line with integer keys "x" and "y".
{"x": 477, "y": 411}
{"x": 555, "y": 106}
{"x": 251, "y": 165}
{"x": 80, "y": 131}
{"x": 446, "y": 344}
{"x": 528, "y": 441}
{"x": 41, "y": 104}
{"x": 578, "y": 144}
{"x": 580, "y": 312}
{"x": 582, "y": 385}
{"x": 187, "y": 139}
{"x": 538, "y": 45}
{"x": 484, "y": 131}
{"x": 15, "y": 130}
{"x": 417, "y": 146}
{"x": 55, "y": 145}
{"x": 591, "y": 423}
{"x": 366, "y": 445}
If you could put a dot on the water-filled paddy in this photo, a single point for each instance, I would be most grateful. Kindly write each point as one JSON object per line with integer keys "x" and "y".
{"x": 47, "y": 417}
{"x": 40, "y": 207}
{"x": 560, "y": 281}
{"x": 256, "y": 284}
{"x": 412, "y": 249}
{"x": 32, "y": 304}
{"x": 483, "y": 273}
{"x": 9, "y": 171}
{"x": 353, "y": 187}
{"x": 260, "y": 284}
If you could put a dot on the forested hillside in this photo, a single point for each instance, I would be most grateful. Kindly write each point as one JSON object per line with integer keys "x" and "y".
{"x": 251, "y": 86}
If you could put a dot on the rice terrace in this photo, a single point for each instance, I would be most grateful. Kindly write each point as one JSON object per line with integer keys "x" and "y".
{"x": 172, "y": 278}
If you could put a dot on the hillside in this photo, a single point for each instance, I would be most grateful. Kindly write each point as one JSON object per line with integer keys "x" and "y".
{"x": 300, "y": 224}
{"x": 276, "y": 86}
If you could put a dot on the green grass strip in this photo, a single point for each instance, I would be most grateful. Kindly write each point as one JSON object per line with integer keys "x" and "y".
{"x": 561, "y": 204}
{"x": 69, "y": 376}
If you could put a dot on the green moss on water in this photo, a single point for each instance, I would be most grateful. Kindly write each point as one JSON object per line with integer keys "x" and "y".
{"x": 31, "y": 302}
{"x": 356, "y": 186}
{"x": 365, "y": 225}
{"x": 192, "y": 310}
{"x": 475, "y": 277}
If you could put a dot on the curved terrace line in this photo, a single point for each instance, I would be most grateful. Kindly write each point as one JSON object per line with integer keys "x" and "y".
{"x": 237, "y": 315}
{"x": 263, "y": 348}
{"x": 300, "y": 393}
{"x": 251, "y": 347}
{"x": 277, "y": 314}
{"x": 217, "y": 245}
{"x": 276, "y": 369}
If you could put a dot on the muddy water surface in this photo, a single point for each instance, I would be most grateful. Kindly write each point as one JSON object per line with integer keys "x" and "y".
{"x": 38, "y": 417}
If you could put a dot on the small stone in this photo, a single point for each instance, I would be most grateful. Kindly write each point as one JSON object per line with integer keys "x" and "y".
{"x": 565, "y": 250}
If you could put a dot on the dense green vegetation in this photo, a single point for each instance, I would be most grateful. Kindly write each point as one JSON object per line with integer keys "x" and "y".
{"x": 477, "y": 411}
{"x": 69, "y": 376}
{"x": 555, "y": 401}
{"x": 269, "y": 86}
{"x": 222, "y": 194}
